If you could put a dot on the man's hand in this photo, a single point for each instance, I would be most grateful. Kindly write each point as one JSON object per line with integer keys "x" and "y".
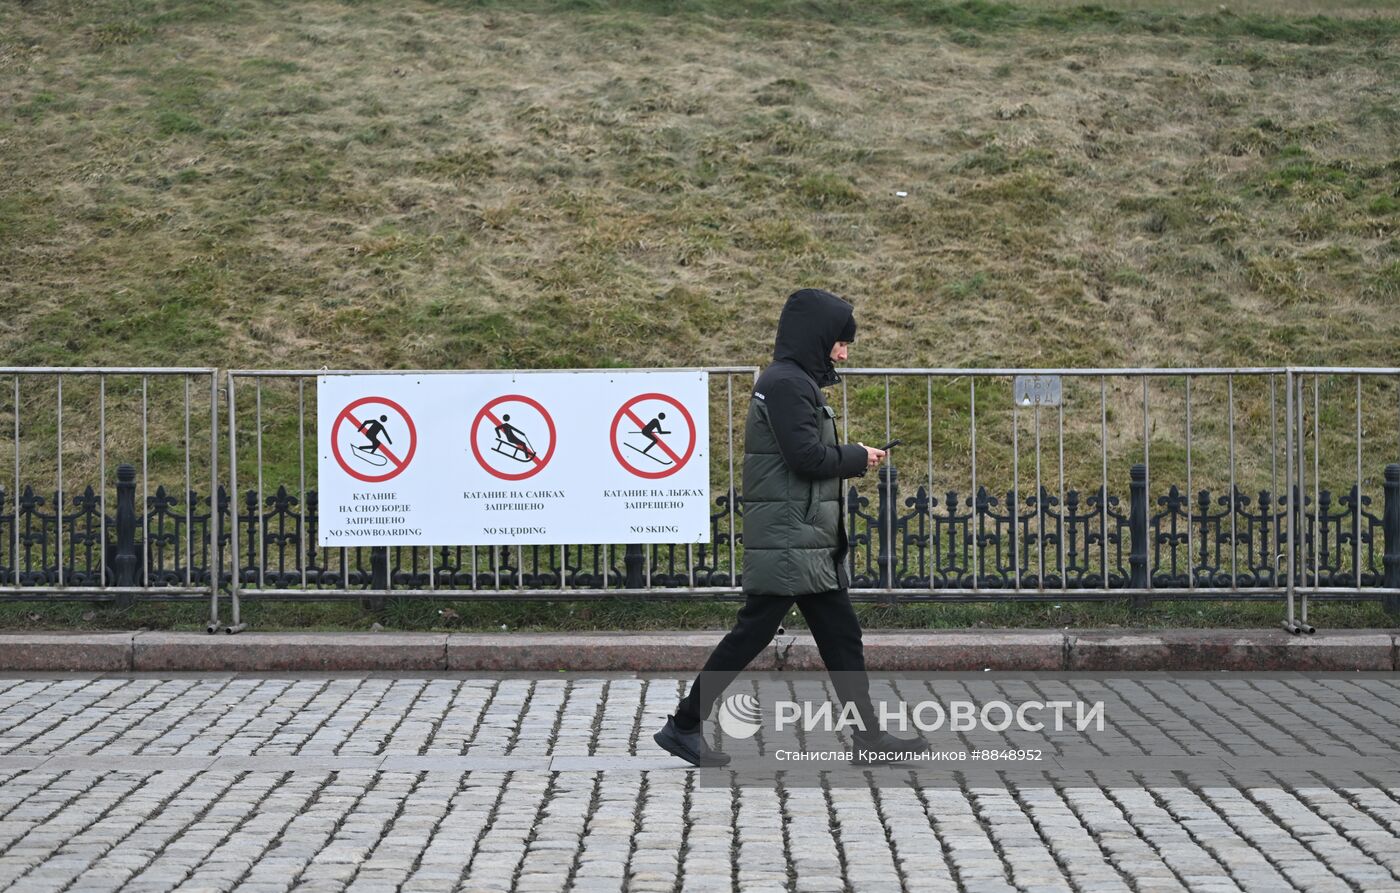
{"x": 873, "y": 456}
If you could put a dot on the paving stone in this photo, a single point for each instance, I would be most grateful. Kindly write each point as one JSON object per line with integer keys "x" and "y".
{"x": 428, "y": 781}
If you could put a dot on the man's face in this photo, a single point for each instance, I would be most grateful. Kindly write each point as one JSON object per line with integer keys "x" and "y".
{"x": 839, "y": 351}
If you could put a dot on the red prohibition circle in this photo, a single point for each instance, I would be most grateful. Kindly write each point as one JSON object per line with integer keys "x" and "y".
{"x": 652, "y": 475}
{"x": 539, "y": 466}
{"x": 374, "y": 478}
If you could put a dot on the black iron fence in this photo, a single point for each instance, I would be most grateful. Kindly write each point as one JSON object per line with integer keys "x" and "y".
{"x": 1104, "y": 541}
{"x": 164, "y": 546}
{"x": 903, "y": 548}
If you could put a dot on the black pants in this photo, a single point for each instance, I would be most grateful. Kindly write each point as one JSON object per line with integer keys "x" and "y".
{"x": 834, "y": 626}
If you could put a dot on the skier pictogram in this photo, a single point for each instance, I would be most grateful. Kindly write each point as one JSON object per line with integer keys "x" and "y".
{"x": 655, "y": 448}
{"x": 650, "y": 431}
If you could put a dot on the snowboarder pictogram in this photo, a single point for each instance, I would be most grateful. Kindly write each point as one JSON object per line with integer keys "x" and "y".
{"x": 372, "y": 429}
{"x": 389, "y": 457}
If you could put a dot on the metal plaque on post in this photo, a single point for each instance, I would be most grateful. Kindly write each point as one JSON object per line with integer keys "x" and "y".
{"x": 1037, "y": 390}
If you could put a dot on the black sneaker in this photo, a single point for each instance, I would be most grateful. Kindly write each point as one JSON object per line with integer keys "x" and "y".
{"x": 885, "y": 748}
{"x": 689, "y": 746}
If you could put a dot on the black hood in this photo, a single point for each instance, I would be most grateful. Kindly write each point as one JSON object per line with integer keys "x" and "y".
{"x": 811, "y": 323}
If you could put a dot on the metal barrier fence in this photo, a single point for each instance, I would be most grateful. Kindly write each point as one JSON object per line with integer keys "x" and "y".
{"x": 1318, "y": 571}
{"x": 63, "y": 543}
{"x": 1222, "y": 540}
{"x": 1028, "y": 484}
{"x": 275, "y": 559}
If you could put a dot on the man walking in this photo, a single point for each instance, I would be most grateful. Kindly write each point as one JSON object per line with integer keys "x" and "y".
{"x": 794, "y": 533}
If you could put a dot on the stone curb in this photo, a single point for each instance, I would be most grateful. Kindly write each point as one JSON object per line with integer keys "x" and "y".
{"x": 1225, "y": 649}
{"x": 289, "y": 651}
{"x": 87, "y": 652}
{"x": 1023, "y": 650}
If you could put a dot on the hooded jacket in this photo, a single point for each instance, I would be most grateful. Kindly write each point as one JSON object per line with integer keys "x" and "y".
{"x": 794, "y": 529}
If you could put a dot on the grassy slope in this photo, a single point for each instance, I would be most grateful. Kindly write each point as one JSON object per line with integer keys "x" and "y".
{"x": 437, "y": 185}
{"x": 421, "y": 184}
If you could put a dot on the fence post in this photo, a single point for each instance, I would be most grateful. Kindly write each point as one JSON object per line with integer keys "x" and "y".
{"x": 379, "y": 567}
{"x": 124, "y": 560}
{"x": 888, "y": 491}
{"x": 634, "y": 559}
{"x": 378, "y": 578}
{"x": 1391, "y": 524}
{"x": 1137, "y": 529}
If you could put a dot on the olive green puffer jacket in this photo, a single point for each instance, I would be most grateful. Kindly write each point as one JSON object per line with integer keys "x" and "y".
{"x": 794, "y": 527}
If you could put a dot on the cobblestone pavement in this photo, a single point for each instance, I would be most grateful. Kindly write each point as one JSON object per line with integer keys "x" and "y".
{"x": 201, "y": 782}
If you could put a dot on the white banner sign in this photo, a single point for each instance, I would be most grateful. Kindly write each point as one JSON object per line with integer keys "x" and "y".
{"x": 525, "y": 457}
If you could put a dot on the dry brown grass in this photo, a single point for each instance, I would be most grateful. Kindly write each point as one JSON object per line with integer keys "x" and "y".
{"x": 427, "y": 185}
